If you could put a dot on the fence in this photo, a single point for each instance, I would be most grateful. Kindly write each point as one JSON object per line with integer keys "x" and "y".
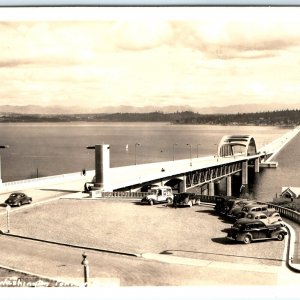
{"x": 288, "y": 213}
{"x": 124, "y": 194}
{"x": 207, "y": 199}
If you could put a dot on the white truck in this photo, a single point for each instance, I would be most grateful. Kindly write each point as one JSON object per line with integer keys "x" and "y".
{"x": 162, "y": 194}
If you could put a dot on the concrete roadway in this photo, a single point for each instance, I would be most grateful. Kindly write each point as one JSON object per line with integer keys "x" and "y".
{"x": 115, "y": 270}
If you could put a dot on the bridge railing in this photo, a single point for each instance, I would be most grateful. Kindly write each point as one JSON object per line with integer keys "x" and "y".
{"x": 138, "y": 195}
{"x": 40, "y": 181}
{"x": 286, "y": 212}
{"x": 207, "y": 199}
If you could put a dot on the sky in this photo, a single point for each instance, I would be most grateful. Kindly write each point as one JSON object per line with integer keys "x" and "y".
{"x": 159, "y": 56}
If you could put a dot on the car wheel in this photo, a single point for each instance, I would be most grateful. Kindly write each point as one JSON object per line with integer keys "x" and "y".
{"x": 247, "y": 239}
{"x": 29, "y": 201}
{"x": 190, "y": 204}
{"x": 151, "y": 202}
{"x": 19, "y": 203}
{"x": 169, "y": 200}
{"x": 280, "y": 237}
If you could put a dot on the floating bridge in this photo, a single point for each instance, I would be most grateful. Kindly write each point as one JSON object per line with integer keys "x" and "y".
{"x": 236, "y": 154}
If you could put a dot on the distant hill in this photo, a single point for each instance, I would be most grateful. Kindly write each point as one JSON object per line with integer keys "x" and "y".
{"x": 241, "y": 108}
{"x": 271, "y": 118}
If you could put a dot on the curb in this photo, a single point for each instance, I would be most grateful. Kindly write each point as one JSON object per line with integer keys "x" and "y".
{"x": 69, "y": 245}
{"x": 290, "y": 246}
{"x": 291, "y": 250}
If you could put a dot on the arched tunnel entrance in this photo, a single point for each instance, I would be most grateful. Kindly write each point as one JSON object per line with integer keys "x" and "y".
{"x": 237, "y": 144}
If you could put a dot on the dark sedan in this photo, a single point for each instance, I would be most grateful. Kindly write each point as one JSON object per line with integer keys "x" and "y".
{"x": 185, "y": 199}
{"x": 18, "y": 199}
{"x": 246, "y": 230}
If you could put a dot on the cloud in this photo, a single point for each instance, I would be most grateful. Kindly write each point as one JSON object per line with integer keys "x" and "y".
{"x": 141, "y": 35}
{"x": 231, "y": 39}
{"x": 13, "y": 63}
{"x": 198, "y": 61}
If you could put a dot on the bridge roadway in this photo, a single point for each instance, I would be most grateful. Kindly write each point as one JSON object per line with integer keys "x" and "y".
{"x": 138, "y": 174}
{"x": 128, "y": 175}
{"x": 120, "y": 177}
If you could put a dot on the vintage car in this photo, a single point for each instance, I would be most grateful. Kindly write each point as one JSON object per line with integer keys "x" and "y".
{"x": 231, "y": 206}
{"x": 247, "y": 231}
{"x": 273, "y": 218}
{"x": 254, "y": 208}
{"x": 224, "y": 203}
{"x": 221, "y": 203}
{"x": 185, "y": 199}
{"x": 18, "y": 199}
{"x": 156, "y": 195}
{"x": 237, "y": 207}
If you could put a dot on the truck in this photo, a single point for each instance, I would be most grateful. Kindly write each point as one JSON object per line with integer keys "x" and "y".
{"x": 161, "y": 194}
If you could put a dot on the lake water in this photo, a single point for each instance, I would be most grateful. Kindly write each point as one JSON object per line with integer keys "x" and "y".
{"x": 43, "y": 149}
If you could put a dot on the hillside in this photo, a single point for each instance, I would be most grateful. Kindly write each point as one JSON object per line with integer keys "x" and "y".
{"x": 278, "y": 118}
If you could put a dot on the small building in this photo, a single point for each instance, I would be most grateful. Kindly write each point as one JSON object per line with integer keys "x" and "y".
{"x": 288, "y": 194}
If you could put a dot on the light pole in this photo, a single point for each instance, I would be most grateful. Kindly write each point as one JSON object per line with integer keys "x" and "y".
{"x": 2, "y": 147}
{"x": 198, "y": 150}
{"x": 136, "y": 144}
{"x": 174, "y": 150}
{"x": 190, "y": 153}
{"x": 217, "y": 149}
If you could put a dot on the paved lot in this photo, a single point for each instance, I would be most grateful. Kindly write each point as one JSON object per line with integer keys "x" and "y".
{"x": 127, "y": 226}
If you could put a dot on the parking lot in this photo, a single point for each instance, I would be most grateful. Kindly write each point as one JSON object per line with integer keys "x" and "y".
{"x": 126, "y": 226}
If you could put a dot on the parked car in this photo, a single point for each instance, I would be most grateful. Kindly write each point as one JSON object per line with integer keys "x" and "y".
{"x": 220, "y": 205}
{"x": 254, "y": 208}
{"x": 185, "y": 199}
{"x": 161, "y": 194}
{"x": 268, "y": 220}
{"x": 18, "y": 199}
{"x": 275, "y": 218}
{"x": 231, "y": 206}
{"x": 237, "y": 207}
{"x": 252, "y": 230}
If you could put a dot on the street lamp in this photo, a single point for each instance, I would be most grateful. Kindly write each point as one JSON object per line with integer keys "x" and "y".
{"x": 136, "y": 144}
{"x": 190, "y": 153}
{"x": 2, "y": 147}
{"x": 217, "y": 149}
{"x": 198, "y": 150}
{"x": 174, "y": 150}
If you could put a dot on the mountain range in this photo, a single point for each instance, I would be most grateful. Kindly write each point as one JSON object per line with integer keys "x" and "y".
{"x": 230, "y": 109}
